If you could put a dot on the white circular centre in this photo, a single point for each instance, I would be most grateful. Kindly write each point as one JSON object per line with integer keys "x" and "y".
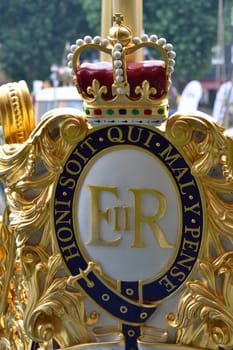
{"x": 128, "y": 214}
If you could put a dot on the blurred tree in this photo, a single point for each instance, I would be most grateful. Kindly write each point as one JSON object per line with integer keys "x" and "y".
{"x": 191, "y": 26}
{"x": 92, "y": 10}
{"x": 33, "y": 35}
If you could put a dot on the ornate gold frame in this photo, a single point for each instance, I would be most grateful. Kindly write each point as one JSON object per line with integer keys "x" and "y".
{"x": 39, "y": 299}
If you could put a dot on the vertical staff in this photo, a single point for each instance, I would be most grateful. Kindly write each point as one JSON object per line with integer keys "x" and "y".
{"x": 132, "y": 10}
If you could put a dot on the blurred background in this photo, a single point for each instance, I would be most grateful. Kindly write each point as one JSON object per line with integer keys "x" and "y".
{"x": 35, "y": 37}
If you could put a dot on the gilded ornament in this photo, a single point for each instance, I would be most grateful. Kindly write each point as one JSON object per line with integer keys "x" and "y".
{"x": 139, "y": 190}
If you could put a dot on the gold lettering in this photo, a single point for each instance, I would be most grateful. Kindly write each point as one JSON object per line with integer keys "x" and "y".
{"x": 147, "y": 143}
{"x": 73, "y": 167}
{"x": 97, "y": 215}
{"x": 190, "y": 245}
{"x": 170, "y": 159}
{"x": 79, "y": 155}
{"x": 64, "y": 234}
{"x": 125, "y": 211}
{"x": 71, "y": 250}
{"x": 119, "y": 135}
{"x": 195, "y": 232}
{"x": 89, "y": 146}
{"x": 69, "y": 183}
{"x": 167, "y": 284}
{"x": 185, "y": 262}
{"x": 175, "y": 272}
{"x": 130, "y": 134}
{"x": 127, "y": 218}
{"x": 63, "y": 214}
{"x": 193, "y": 208}
{"x": 117, "y": 211}
{"x": 139, "y": 218}
{"x": 187, "y": 184}
{"x": 180, "y": 172}
{"x": 68, "y": 203}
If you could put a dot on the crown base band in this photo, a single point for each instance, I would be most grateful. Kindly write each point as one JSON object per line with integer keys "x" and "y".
{"x": 149, "y": 121}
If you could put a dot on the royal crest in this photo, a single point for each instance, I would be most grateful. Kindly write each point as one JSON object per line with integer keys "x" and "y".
{"x": 176, "y": 225}
{"x": 117, "y": 232}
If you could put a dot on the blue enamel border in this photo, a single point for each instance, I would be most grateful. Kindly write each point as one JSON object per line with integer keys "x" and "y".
{"x": 120, "y": 305}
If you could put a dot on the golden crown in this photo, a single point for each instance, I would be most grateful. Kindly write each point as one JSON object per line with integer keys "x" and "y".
{"x": 122, "y": 89}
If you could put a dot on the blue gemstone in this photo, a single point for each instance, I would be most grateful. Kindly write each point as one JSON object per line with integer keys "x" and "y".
{"x": 122, "y": 111}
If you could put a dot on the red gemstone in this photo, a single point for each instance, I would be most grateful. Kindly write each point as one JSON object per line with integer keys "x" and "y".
{"x": 147, "y": 111}
{"x": 97, "y": 111}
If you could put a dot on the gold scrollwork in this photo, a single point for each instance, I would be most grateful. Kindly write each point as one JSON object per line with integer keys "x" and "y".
{"x": 202, "y": 140}
{"x": 35, "y": 299}
{"x": 40, "y": 302}
{"x": 205, "y": 310}
{"x": 48, "y": 314}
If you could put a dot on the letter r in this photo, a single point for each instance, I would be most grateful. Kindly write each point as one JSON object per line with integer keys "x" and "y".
{"x": 139, "y": 218}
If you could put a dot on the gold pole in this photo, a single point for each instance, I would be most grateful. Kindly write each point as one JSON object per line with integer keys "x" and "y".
{"x": 132, "y": 10}
{"x": 106, "y": 23}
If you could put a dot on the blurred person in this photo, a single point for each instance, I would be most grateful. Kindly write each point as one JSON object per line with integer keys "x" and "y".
{"x": 173, "y": 99}
{"x": 223, "y": 105}
{"x": 190, "y": 97}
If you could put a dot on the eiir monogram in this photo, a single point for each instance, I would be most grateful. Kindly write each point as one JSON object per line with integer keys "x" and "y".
{"x": 125, "y": 211}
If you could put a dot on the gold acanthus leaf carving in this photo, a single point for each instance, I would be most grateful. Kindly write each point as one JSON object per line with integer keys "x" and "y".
{"x": 28, "y": 171}
{"x": 205, "y": 310}
{"x": 210, "y": 153}
{"x": 220, "y": 214}
{"x": 7, "y": 254}
{"x": 48, "y": 143}
{"x": 13, "y": 335}
{"x": 54, "y": 311}
{"x": 227, "y": 161}
{"x": 14, "y": 161}
{"x": 55, "y": 134}
{"x": 28, "y": 216}
{"x": 202, "y": 140}
{"x": 34, "y": 165}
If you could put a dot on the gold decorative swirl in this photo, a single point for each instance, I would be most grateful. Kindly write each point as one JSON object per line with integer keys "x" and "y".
{"x": 178, "y": 131}
{"x": 204, "y": 318}
{"x": 7, "y": 255}
{"x": 27, "y": 215}
{"x": 202, "y": 140}
{"x": 29, "y": 171}
{"x": 49, "y": 302}
{"x": 205, "y": 311}
{"x": 53, "y": 311}
{"x": 34, "y": 165}
{"x": 73, "y": 129}
{"x": 227, "y": 161}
